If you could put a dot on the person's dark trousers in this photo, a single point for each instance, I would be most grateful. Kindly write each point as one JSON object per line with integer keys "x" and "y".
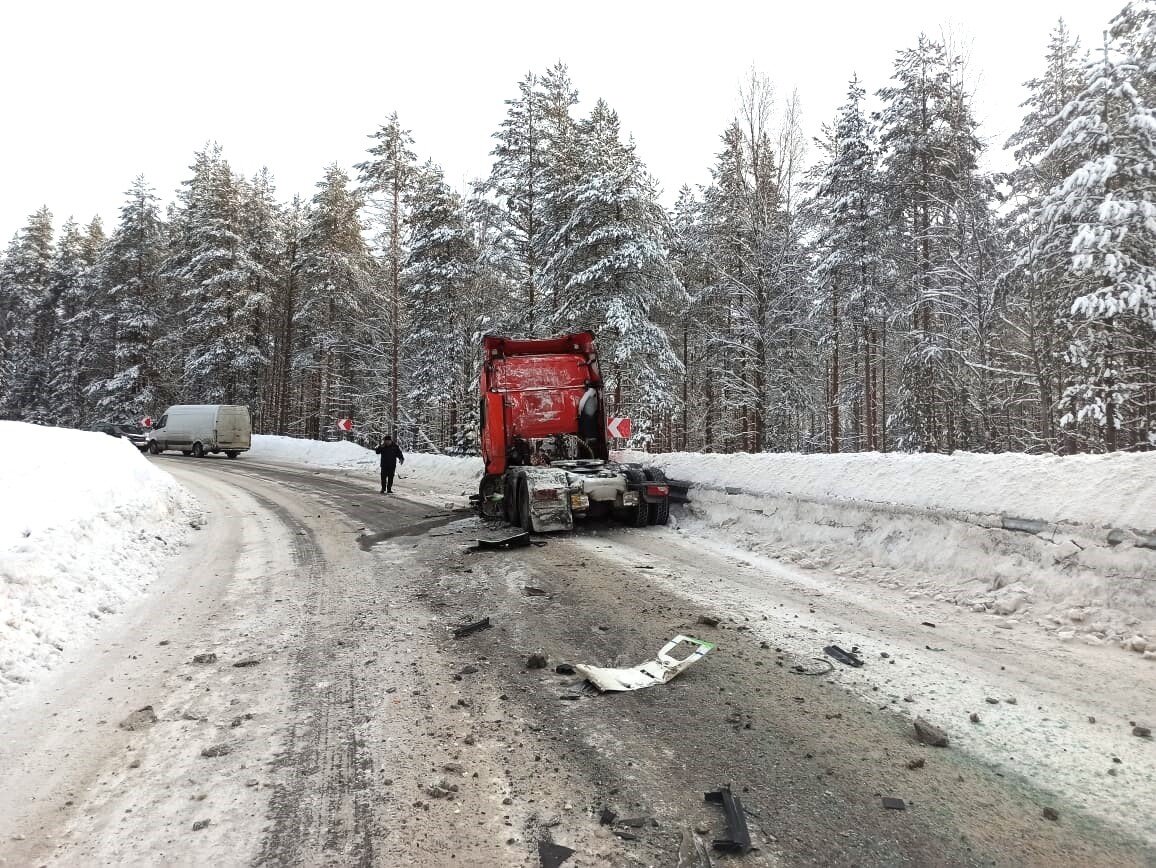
{"x": 386, "y": 480}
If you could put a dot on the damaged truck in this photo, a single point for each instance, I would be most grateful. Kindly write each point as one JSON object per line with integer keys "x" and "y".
{"x": 545, "y": 443}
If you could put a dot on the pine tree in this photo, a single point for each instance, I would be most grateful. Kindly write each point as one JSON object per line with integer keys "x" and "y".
{"x": 385, "y": 182}
{"x": 131, "y": 275}
{"x": 437, "y": 280}
{"x": 335, "y": 277}
{"x": 515, "y": 186}
{"x": 30, "y": 319}
{"x": 1102, "y": 213}
{"x": 618, "y": 270}
{"x": 845, "y": 214}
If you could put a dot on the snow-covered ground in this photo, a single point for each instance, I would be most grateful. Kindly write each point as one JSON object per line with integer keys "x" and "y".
{"x": 1067, "y": 543}
{"x": 1080, "y": 565}
{"x": 85, "y": 522}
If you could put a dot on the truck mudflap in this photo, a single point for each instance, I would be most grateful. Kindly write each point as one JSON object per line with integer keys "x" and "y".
{"x": 549, "y": 499}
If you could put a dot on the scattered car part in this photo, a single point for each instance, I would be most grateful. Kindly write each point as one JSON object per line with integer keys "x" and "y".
{"x": 799, "y": 670}
{"x": 894, "y": 804}
{"x": 658, "y": 671}
{"x": 533, "y": 592}
{"x": 607, "y": 817}
{"x": 693, "y": 852}
{"x": 551, "y": 855}
{"x": 739, "y": 838}
{"x": 844, "y": 657}
{"x": 467, "y": 629}
{"x": 516, "y": 540}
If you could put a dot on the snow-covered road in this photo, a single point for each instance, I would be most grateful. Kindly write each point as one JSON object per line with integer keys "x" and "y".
{"x": 364, "y": 733}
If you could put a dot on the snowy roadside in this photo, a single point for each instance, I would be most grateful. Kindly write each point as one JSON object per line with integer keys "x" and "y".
{"x": 436, "y": 479}
{"x": 85, "y": 523}
{"x": 1064, "y": 543}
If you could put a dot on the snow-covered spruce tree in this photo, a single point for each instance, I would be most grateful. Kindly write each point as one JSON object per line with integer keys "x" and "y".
{"x": 385, "y": 181}
{"x": 336, "y": 274}
{"x": 213, "y": 271}
{"x": 26, "y": 281}
{"x": 692, "y": 327}
{"x": 81, "y": 352}
{"x": 263, "y": 235}
{"x": 1029, "y": 346}
{"x": 437, "y": 279}
{"x": 612, "y": 249}
{"x": 130, "y": 274}
{"x": 941, "y": 253}
{"x": 561, "y": 175}
{"x": 1103, "y": 214}
{"x": 757, "y": 259}
{"x": 845, "y": 218}
{"x": 515, "y": 190}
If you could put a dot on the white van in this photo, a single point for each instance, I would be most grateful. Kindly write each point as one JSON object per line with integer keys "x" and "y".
{"x": 198, "y": 429}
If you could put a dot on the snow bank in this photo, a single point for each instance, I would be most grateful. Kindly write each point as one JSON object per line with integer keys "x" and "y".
{"x": 85, "y": 522}
{"x": 937, "y": 526}
{"x": 442, "y": 471}
{"x": 1116, "y": 490}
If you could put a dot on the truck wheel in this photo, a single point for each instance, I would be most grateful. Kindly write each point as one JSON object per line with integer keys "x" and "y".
{"x": 524, "y": 519}
{"x": 635, "y": 516}
{"x": 657, "y": 513}
{"x": 231, "y": 453}
{"x": 198, "y": 450}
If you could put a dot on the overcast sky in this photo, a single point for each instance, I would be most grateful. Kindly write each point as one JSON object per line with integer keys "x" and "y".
{"x": 94, "y": 93}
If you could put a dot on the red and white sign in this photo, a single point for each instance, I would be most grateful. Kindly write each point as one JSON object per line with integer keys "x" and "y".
{"x": 146, "y": 422}
{"x": 618, "y": 426}
{"x": 345, "y": 425}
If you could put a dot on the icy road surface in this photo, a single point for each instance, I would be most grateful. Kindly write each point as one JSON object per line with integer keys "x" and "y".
{"x": 340, "y": 722}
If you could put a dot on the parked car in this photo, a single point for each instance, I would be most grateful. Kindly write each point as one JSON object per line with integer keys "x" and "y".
{"x": 200, "y": 429}
{"x": 133, "y": 433}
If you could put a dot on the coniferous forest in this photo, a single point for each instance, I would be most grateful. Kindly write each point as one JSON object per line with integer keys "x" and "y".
{"x": 873, "y": 289}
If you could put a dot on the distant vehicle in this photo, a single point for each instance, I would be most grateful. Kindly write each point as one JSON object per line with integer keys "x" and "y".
{"x": 200, "y": 429}
{"x": 134, "y": 434}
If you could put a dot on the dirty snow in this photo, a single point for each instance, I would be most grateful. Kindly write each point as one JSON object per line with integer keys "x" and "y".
{"x": 85, "y": 523}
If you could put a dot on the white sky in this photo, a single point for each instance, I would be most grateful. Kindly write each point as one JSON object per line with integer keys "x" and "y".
{"x": 94, "y": 92}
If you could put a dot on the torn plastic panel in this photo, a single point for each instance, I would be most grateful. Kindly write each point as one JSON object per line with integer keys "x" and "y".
{"x": 658, "y": 671}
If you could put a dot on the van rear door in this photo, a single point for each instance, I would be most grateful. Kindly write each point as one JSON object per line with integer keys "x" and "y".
{"x": 234, "y": 430}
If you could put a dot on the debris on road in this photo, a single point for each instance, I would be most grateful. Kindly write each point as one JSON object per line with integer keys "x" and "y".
{"x": 847, "y": 658}
{"x": 217, "y": 750}
{"x": 991, "y": 700}
{"x": 708, "y": 620}
{"x": 1051, "y": 814}
{"x": 551, "y": 855}
{"x": 1142, "y": 731}
{"x": 564, "y": 669}
{"x": 929, "y": 733}
{"x": 658, "y": 671}
{"x": 476, "y": 626}
{"x": 139, "y": 719}
{"x": 799, "y": 670}
{"x": 926, "y": 624}
{"x": 517, "y": 540}
{"x": 205, "y": 658}
{"x": 625, "y": 836}
{"x": 893, "y": 804}
{"x": 917, "y": 763}
{"x": 200, "y": 824}
{"x": 973, "y": 717}
{"x": 536, "y": 661}
{"x": 248, "y": 661}
{"x": 607, "y": 817}
{"x": 533, "y": 592}
{"x": 693, "y": 852}
{"x": 739, "y": 839}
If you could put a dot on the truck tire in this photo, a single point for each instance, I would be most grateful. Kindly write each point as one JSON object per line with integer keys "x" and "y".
{"x": 635, "y": 516}
{"x": 231, "y": 453}
{"x": 198, "y": 450}
{"x": 525, "y": 521}
{"x": 657, "y": 513}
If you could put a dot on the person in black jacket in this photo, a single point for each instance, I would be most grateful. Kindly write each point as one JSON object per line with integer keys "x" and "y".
{"x": 390, "y": 454}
